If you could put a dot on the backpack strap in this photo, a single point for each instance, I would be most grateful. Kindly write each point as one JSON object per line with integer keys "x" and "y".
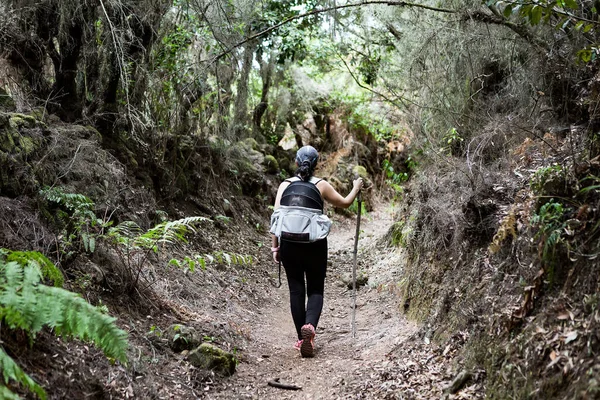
{"x": 313, "y": 179}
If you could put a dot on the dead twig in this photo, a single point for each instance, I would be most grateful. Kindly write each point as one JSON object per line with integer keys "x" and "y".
{"x": 275, "y": 383}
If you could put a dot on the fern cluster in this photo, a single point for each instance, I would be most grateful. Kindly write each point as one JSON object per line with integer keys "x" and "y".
{"x": 134, "y": 246}
{"x": 131, "y": 235}
{"x": 27, "y": 304}
{"x": 76, "y": 214}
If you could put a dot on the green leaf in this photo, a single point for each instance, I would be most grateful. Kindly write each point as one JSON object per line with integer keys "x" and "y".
{"x": 11, "y": 371}
{"x": 536, "y": 15}
{"x": 571, "y": 4}
{"x": 508, "y": 10}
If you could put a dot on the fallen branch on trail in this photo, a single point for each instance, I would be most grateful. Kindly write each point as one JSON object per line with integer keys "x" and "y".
{"x": 279, "y": 385}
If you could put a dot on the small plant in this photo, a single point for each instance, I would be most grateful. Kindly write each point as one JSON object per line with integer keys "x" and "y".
{"x": 550, "y": 224}
{"x": 29, "y": 305}
{"x": 223, "y": 218}
{"x": 543, "y": 177}
{"x": 75, "y": 212}
{"x": 155, "y": 330}
{"x": 354, "y": 208}
{"x": 47, "y": 268}
{"x": 400, "y": 233}
{"x": 134, "y": 247}
{"x": 452, "y": 138}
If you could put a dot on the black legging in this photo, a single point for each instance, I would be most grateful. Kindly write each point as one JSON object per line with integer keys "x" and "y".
{"x": 299, "y": 259}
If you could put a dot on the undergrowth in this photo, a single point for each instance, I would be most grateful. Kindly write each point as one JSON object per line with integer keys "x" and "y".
{"x": 29, "y": 305}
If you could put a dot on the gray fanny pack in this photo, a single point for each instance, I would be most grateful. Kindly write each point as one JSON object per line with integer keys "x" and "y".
{"x": 299, "y": 224}
{"x": 300, "y": 216}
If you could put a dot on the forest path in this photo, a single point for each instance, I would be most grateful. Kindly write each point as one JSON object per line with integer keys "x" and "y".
{"x": 342, "y": 362}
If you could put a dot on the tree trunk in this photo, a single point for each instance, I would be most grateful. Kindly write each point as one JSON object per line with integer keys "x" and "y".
{"x": 266, "y": 72}
{"x": 241, "y": 101}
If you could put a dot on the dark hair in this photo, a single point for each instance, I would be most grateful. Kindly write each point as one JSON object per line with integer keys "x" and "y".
{"x": 306, "y": 158}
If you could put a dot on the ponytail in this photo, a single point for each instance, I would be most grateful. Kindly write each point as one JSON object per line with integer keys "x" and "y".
{"x": 305, "y": 170}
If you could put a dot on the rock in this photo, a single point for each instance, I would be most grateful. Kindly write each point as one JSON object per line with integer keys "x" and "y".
{"x": 250, "y": 143}
{"x": 271, "y": 164}
{"x": 210, "y": 357}
{"x": 246, "y": 157}
{"x": 6, "y": 102}
{"x": 458, "y": 382}
{"x": 288, "y": 142}
{"x": 360, "y": 171}
{"x": 362, "y": 278}
{"x": 182, "y": 337}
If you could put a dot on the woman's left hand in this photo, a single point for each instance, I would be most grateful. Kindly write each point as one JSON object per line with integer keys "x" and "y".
{"x": 275, "y": 254}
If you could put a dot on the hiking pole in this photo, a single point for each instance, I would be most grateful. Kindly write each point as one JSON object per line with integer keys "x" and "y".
{"x": 359, "y": 198}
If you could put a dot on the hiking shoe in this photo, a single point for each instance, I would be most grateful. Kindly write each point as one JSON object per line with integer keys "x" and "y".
{"x": 307, "y": 347}
{"x": 298, "y": 344}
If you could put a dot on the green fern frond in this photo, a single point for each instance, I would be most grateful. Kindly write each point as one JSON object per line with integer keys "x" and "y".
{"x": 72, "y": 201}
{"x": 29, "y": 305}
{"x": 125, "y": 232}
{"x": 168, "y": 232}
{"x": 6, "y": 394}
{"x": 11, "y": 371}
{"x": 48, "y": 269}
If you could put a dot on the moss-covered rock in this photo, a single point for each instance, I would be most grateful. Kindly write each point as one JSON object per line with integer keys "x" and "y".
{"x": 362, "y": 278}
{"x": 6, "y": 102}
{"x": 182, "y": 337}
{"x": 250, "y": 143}
{"x": 210, "y": 357}
{"x": 271, "y": 164}
{"x": 18, "y": 121}
{"x": 27, "y": 145}
{"x": 7, "y": 143}
{"x": 360, "y": 171}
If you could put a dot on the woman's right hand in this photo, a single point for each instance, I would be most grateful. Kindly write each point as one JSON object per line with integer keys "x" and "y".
{"x": 358, "y": 184}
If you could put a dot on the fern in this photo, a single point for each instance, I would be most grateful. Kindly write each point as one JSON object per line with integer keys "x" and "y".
{"x": 75, "y": 202}
{"x": 134, "y": 247}
{"x": 168, "y": 232}
{"x": 30, "y": 306}
{"x": 27, "y": 304}
{"x": 47, "y": 268}
{"x": 11, "y": 371}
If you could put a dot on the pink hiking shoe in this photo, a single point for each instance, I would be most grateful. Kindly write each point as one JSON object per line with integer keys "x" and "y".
{"x": 307, "y": 347}
{"x": 298, "y": 344}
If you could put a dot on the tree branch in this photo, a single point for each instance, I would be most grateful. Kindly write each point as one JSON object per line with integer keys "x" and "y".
{"x": 324, "y": 10}
{"x": 520, "y": 30}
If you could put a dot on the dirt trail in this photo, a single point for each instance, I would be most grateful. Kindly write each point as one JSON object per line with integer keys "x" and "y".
{"x": 341, "y": 360}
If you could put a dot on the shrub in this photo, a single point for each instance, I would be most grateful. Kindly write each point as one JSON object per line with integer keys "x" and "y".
{"x": 27, "y": 304}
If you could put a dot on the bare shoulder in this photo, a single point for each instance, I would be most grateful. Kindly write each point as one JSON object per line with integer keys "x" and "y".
{"x": 324, "y": 187}
{"x": 283, "y": 185}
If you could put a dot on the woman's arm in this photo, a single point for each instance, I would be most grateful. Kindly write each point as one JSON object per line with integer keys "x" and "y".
{"x": 336, "y": 199}
{"x": 274, "y": 240}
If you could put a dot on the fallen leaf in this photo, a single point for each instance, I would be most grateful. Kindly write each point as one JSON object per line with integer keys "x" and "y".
{"x": 539, "y": 329}
{"x": 570, "y": 337}
{"x": 553, "y": 355}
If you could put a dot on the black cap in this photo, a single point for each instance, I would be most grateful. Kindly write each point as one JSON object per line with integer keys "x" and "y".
{"x": 307, "y": 153}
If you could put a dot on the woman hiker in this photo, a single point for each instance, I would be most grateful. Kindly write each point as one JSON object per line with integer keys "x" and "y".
{"x": 307, "y": 259}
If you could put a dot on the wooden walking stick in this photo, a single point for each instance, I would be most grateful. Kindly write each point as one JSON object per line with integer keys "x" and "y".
{"x": 359, "y": 198}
